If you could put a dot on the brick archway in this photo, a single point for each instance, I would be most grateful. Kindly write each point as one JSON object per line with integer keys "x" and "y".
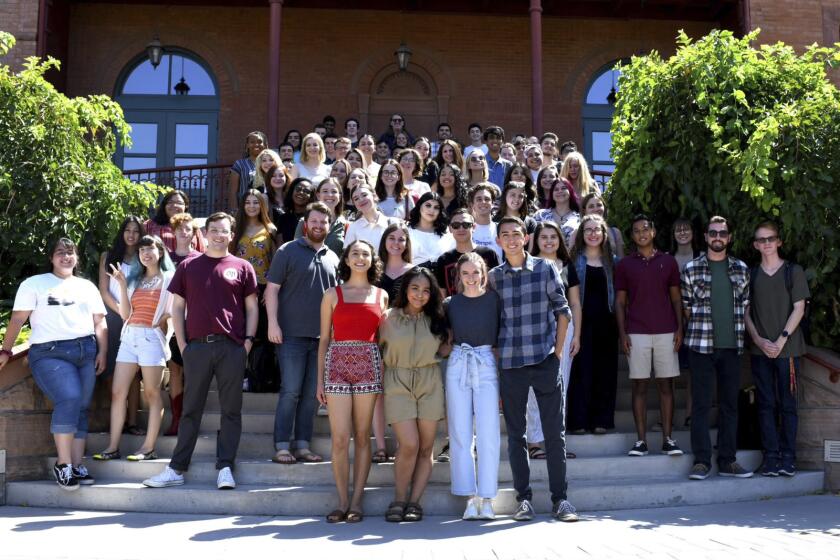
{"x": 420, "y": 93}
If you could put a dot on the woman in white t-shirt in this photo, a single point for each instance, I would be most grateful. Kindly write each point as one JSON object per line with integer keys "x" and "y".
{"x": 428, "y": 230}
{"x": 394, "y": 199}
{"x": 312, "y": 157}
{"x": 68, "y": 347}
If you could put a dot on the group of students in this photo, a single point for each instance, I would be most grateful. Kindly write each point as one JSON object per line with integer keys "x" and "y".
{"x": 522, "y": 297}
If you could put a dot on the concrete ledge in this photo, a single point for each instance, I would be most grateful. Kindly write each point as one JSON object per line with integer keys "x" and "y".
{"x": 2, "y": 477}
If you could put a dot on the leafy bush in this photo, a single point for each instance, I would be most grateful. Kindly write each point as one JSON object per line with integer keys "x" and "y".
{"x": 747, "y": 133}
{"x": 56, "y": 173}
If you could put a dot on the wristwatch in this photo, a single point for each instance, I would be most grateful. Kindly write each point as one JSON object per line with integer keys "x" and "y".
{"x": 252, "y": 338}
{"x": 785, "y": 334}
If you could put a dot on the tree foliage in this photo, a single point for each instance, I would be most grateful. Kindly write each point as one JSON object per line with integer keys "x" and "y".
{"x": 57, "y": 177}
{"x": 748, "y": 133}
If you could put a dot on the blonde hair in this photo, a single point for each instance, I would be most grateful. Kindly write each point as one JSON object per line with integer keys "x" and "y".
{"x": 259, "y": 178}
{"x": 467, "y": 172}
{"x": 584, "y": 183}
{"x": 322, "y": 154}
{"x": 475, "y": 259}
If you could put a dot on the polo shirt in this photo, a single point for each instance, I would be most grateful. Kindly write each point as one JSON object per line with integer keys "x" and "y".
{"x": 304, "y": 274}
{"x": 648, "y": 282}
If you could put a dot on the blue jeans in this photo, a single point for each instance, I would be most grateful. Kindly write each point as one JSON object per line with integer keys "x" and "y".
{"x": 298, "y": 357}
{"x": 775, "y": 400}
{"x": 65, "y": 371}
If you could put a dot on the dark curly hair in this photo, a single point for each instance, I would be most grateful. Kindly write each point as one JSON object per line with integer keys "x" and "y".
{"x": 433, "y": 308}
{"x": 116, "y": 253}
{"x": 160, "y": 217}
{"x": 442, "y": 220}
{"x": 460, "y": 185}
{"x": 374, "y": 273}
{"x": 525, "y": 209}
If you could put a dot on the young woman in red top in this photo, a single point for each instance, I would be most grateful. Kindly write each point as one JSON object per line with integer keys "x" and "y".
{"x": 350, "y": 369}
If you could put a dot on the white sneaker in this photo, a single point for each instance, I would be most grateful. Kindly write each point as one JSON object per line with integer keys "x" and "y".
{"x": 167, "y": 478}
{"x": 471, "y": 513}
{"x": 322, "y": 410}
{"x": 225, "y": 480}
{"x": 486, "y": 511}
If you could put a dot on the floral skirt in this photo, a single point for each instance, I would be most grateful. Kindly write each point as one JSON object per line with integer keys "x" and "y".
{"x": 353, "y": 368}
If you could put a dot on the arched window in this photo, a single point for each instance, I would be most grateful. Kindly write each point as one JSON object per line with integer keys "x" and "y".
{"x": 173, "y": 111}
{"x": 598, "y": 111}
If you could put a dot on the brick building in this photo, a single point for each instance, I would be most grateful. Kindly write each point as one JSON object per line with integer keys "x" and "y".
{"x": 274, "y": 65}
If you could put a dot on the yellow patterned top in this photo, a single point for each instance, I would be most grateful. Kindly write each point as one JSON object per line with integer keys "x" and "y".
{"x": 257, "y": 250}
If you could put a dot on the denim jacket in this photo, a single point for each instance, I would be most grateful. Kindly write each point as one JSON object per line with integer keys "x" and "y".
{"x": 580, "y": 268}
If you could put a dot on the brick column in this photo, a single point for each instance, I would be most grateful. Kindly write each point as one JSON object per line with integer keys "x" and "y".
{"x": 536, "y": 68}
{"x": 276, "y": 11}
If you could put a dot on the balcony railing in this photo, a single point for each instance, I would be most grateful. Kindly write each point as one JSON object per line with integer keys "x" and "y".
{"x": 206, "y": 185}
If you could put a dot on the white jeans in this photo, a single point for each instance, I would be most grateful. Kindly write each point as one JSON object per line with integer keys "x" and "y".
{"x": 472, "y": 392}
{"x": 533, "y": 426}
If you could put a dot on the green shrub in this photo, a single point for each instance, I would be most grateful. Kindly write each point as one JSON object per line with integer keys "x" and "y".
{"x": 748, "y": 133}
{"x": 57, "y": 177}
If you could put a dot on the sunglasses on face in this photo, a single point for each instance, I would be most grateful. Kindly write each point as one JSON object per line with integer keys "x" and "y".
{"x": 717, "y": 233}
{"x": 461, "y": 225}
{"x": 769, "y": 239}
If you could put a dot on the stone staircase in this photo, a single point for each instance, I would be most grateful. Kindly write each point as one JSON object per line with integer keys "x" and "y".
{"x": 602, "y": 477}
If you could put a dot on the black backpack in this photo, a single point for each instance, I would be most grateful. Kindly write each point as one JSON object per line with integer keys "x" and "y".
{"x": 805, "y": 323}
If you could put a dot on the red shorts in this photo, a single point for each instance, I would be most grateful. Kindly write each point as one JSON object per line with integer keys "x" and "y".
{"x": 353, "y": 368}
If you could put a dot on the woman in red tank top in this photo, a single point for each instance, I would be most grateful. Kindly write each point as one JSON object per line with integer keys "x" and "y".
{"x": 350, "y": 369}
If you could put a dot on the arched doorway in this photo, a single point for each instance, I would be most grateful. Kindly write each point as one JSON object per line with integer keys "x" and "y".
{"x": 411, "y": 93}
{"x": 598, "y": 109}
{"x": 171, "y": 125}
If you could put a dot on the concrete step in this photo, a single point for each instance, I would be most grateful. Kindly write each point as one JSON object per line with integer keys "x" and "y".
{"x": 263, "y": 422}
{"x": 261, "y": 446}
{"x": 263, "y": 471}
{"x": 267, "y": 402}
{"x": 316, "y": 500}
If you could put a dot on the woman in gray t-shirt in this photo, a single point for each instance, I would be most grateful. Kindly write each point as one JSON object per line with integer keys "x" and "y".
{"x": 472, "y": 384}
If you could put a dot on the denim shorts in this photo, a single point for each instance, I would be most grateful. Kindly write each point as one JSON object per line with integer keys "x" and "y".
{"x": 65, "y": 371}
{"x": 143, "y": 346}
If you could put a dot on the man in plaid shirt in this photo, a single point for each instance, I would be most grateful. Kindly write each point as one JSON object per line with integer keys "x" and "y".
{"x": 715, "y": 293}
{"x": 534, "y": 319}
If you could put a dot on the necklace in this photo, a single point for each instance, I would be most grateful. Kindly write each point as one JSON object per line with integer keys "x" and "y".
{"x": 149, "y": 284}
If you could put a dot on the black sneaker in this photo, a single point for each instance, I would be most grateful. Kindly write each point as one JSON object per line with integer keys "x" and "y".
{"x": 639, "y": 449}
{"x": 699, "y": 472}
{"x": 83, "y": 476}
{"x": 733, "y": 469}
{"x": 770, "y": 467}
{"x": 788, "y": 468}
{"x": 670, "y": 447}
{"x": 524, "y": 512}
{"x": 443, "y": 457}
{"x": 564, "y": 511}
{"x": 64, "y": 477}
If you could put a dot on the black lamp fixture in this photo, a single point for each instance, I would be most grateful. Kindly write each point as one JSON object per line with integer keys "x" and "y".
{"x": 611, "y": 95}
{"x": 403, "y": 54}
{"x": 181, "y": 88}
{"x": 155, "y": 51}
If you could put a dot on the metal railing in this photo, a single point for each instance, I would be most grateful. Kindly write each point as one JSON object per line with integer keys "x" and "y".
{"x": 206, "y": 185}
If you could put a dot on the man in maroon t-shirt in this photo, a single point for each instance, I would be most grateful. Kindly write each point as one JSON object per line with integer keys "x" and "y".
{"x": 647, "y": 308}
{"x": 214, "y": 312}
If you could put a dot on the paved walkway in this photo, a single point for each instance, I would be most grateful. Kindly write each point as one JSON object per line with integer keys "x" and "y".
{"x": 806, "y": 527}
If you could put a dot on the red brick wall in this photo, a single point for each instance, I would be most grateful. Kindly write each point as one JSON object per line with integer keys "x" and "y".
{"x": 480, "y": 65}
{"x": 20, "y": 18}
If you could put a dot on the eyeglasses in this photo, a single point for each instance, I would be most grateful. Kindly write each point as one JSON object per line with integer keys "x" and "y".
{"x": 477, "y": 158}
{"x": 768, "y": 239}
{"x": 591, "y": 231}
{"x": 461, "y": 225}
{"x": 682, "y": 230}
{"x": 391, "y": 172}
{"x": 303, "y": 189}
{"x": 717, "y": 233}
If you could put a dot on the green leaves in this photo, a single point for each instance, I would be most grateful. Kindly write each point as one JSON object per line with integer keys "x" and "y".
{"x": 56, "y": 173}
{"x": 751, "y": 133}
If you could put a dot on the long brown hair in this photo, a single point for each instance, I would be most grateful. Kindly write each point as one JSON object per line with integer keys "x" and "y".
{"x": 242, "y": 219}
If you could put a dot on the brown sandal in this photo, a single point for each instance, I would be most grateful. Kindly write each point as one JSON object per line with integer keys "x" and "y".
{"x": 380, "y": 456}
{"x": 413, "y": 512}
{"x": 354, "y": 516}
{"x": 395, "y": 512}
{"x": 336, "y": 516}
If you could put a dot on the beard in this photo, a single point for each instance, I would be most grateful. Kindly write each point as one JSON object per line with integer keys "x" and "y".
{"x": 316, "y": 237}
{"x": 717, "y": 246}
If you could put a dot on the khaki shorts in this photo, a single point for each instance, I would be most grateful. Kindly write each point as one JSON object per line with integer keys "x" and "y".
{"x": 655, "y": 350}
{"x": 413, "y": 393}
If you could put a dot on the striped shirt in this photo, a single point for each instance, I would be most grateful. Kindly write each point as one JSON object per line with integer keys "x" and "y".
{"x": 143, "y": 306}
{"x": 696, "y": 288}
{"x": 532, "y": 298}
